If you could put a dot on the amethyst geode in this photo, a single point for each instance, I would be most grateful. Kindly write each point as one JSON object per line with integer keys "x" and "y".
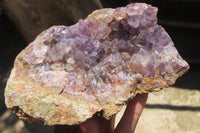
{"x": 67, "y": 74}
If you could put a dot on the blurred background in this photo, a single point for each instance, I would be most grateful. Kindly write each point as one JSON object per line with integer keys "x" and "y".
{"x": 175, "y": 109}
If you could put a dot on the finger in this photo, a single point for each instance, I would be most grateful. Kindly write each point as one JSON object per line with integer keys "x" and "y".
{"x": 132, "y": 113}
{"x": 98, "y": 124}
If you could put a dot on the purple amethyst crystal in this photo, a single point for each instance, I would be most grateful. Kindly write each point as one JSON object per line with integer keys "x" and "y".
{"x": 97, "y": 64}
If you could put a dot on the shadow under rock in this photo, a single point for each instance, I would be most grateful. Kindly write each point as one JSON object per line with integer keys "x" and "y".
{"x": 191, "y": 79}
{"x": 172, "y": 107}
{"x": 10, "y": 123}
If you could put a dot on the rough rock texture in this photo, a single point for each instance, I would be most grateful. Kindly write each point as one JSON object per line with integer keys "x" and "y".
{"x": 69, "y": 73}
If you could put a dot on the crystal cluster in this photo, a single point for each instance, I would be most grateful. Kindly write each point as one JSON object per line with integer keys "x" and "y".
{"x": 67, "y": 74}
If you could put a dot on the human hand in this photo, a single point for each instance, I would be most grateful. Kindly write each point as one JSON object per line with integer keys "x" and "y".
{"x": 98, "y": 124}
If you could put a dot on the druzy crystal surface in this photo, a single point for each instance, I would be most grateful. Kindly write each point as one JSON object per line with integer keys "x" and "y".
{"x": 67, "y": 74}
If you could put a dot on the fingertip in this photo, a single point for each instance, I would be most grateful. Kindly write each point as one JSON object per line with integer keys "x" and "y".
{"x": 89, "y": 126}
{"x": 83, "y": 128}
{"x": 98, "y": 124}
{"x": 139, "y": 98}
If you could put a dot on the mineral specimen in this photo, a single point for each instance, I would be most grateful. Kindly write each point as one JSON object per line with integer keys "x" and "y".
{"x": 67, "y": 74}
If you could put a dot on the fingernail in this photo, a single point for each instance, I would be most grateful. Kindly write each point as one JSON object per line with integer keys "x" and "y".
{"x": 83, "y": 128}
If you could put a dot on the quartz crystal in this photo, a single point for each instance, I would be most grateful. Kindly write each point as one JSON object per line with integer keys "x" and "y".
{"x": 67, "y": 74}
